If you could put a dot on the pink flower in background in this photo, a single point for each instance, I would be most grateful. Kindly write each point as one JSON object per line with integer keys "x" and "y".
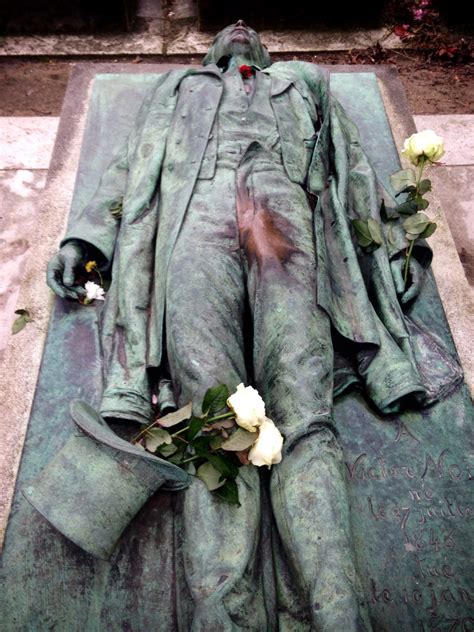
{"x": 402, "y": 30}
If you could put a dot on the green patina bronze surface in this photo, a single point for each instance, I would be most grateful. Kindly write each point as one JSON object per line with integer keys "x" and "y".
{"x": 406, "y": 473}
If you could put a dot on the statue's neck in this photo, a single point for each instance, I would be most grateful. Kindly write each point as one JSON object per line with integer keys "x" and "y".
{"x": 239, "y": 60}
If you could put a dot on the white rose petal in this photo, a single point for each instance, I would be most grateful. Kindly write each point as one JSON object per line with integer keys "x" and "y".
{"x": 426, "y": 143}
{"x": 267, "y": 449}
{"x": 94, "y": 292}
{"x": 248, "y": 407}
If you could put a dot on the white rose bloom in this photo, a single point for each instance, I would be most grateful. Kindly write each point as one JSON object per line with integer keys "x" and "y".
{"x": 94, "y": 292}
{"x": 248, "y": 407}
{"x": 425, "y": 143}
{"x": 267, "y": 449}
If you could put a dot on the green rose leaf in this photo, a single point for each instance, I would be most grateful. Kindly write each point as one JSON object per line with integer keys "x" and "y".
{"x": 194, "y": 427}
{"x": 362, "y": 232}
{"x": 421, "y": 203}
{"x": 375, "y": 231}
{"x": 168, "y": 450}
{"x": 224, "y": 464}
{"x": 216, "y": 442}
{"x": 177, "y": 456}
{"x": 20, "y": 322}
{"x": 400, "y": 180}
{"x": 229, "y": 492}
{"x": 201, "y": 445}
{"x": 240, "y": 440}
{"x": 424, "y": 187}
{"x": 156, "y": 437}
{"x": 429, "y": 230}
{"x": 215, "y": 399}
{"x": 416, "y": 224}
{"x": 407, "y": 208}
{"x": 177, "y": 417}
{"x": 211, "y": 477}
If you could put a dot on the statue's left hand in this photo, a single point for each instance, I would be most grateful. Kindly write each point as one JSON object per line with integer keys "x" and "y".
{"x": 61, "y": 274}
{"x": 415, "y": 278}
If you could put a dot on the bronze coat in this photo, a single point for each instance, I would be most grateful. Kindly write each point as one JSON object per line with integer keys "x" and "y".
{"x": 153, "y": 179}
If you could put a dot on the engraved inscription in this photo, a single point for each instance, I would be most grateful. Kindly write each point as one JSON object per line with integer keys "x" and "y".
{"x": 430, "y": 516}
{"x": 364, "y": 468}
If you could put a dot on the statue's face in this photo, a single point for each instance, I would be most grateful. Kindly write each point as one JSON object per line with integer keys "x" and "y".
{"x": 238, "y": 39}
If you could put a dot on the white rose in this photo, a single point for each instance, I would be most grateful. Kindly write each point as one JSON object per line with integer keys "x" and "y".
{"x": 94, "y": 292}
{"x": 426, "y": 143}
{"x": 248, "y": 407}
{"x": 267, "y": 449}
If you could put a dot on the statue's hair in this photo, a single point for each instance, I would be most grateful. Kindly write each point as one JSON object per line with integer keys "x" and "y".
{"x": 261, "y": 56}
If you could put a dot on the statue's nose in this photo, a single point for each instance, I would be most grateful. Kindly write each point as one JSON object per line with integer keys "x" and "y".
{"x": 240, "y": 23}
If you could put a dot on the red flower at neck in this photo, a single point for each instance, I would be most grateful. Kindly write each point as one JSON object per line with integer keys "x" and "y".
{"x": 246, "y": 71}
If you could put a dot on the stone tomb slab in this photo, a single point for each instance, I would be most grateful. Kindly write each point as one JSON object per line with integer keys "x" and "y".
{"x": 407, "y": 474}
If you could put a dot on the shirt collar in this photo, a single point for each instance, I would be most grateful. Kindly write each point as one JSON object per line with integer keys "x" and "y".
{"x": 223, "y": 64}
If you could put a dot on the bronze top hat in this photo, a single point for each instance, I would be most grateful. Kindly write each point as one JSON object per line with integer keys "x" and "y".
{"x": 98, "y": 482}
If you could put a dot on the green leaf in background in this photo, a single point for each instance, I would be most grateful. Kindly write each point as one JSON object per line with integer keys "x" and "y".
{"x": 375, "y": 231}
{"x": 156, "y": 437}
{"x": 400, "y": 180}
{"x": 240, "y": 440}
{"x": 215, "y": 399}
{"x": 229, "y": 492}
{"x": 23, "y": 318}
{"x": 172, "y": 419}
{"x": 211, "y": 477}
{"x": 362, "y": 232}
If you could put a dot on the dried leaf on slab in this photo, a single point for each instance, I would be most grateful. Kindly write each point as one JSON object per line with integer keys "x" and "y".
{"x": 172, "y": 419}
{"x": 20, "y": 322}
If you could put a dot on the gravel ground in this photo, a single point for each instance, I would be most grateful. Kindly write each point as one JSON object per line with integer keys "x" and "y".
{"x": 36, "y": 87}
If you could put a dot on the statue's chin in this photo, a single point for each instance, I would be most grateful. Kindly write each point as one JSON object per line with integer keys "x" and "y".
{"x": 239, "y": 47}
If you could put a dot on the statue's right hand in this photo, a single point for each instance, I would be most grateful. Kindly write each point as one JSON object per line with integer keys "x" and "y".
{"x": 61, "y": 272}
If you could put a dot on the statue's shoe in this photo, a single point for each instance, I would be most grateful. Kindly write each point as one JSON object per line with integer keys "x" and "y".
{"x": 97, "y": 483}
